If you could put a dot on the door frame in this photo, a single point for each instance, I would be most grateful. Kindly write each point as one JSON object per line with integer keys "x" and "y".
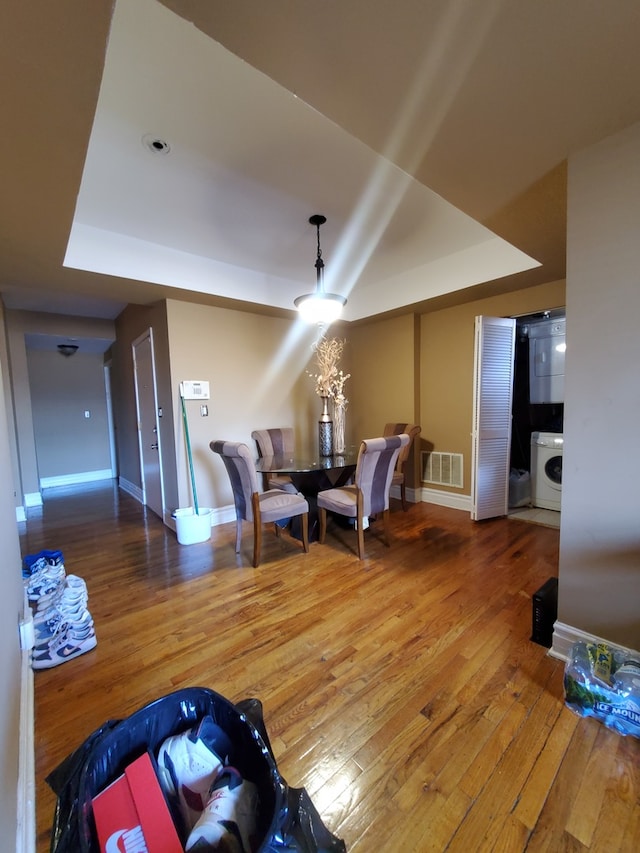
{"x": 113, "y": 451}
{"x": 148, "y": 335}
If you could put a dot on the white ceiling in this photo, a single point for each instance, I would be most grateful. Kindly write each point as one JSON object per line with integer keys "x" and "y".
{"x": 223, "y": 207}
{"x": 401, "y": 122}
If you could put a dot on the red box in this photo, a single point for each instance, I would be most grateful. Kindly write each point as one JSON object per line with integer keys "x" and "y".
{"x": 132, "y": 813}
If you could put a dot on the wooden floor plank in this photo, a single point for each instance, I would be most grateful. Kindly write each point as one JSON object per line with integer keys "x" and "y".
{"x": 549, "y": 832}
{"x": 536, "y": 789}
{"x": 586, "y": 810}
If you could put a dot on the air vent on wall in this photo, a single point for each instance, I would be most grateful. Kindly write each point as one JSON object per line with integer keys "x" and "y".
{"x": 443, "y": 469}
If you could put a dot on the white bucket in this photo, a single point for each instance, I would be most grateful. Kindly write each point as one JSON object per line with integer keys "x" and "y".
{"x": 192, "y": 528}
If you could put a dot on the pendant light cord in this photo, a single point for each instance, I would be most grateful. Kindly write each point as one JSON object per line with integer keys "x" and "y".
{"x": 319, "y": 264}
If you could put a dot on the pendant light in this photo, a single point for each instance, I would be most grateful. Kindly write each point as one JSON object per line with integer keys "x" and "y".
{"x": 319, "y": 307}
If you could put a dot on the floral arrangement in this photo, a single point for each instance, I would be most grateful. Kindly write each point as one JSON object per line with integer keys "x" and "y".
{"x": 329, "y": 380}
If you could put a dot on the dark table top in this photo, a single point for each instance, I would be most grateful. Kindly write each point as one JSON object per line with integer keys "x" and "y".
{"x": 303, "y": 461}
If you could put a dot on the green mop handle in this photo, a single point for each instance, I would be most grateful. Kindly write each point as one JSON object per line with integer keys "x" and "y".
{"x": 186, "y": 434}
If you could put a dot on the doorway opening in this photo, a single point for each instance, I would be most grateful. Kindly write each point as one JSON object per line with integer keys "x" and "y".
{"x": 538, "y": 417}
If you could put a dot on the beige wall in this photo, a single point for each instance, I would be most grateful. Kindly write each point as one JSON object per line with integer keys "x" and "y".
{"x": 11, "y": 606}
{"x": 62, "y": 389}
{"x": 256, "y": 369}
{"x": 599, "y": 590}
{"x": 382, "y": 387}
{"x": 446, "y": 366}
{"x": 29, "y": 482}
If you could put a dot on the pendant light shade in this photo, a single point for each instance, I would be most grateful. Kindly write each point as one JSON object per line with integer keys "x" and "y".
{"x": 320, "y": 307}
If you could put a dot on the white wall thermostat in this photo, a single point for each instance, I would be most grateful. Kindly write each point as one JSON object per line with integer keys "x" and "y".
{"x": 192, "y": 389}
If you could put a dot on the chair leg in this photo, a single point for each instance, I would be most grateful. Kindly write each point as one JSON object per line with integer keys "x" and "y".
{"x": 257, "y": 529}
{"x": 360, "y": 524}
{"x": 360, "y": 538}
{"x": 238, "y": 534}
{"x": 403, "y": 496}
{"x": 257, "y": 542}
{"x": 305, "y": 532}
{"x": 385, "y": 527}
{"x": 323, "y": 524}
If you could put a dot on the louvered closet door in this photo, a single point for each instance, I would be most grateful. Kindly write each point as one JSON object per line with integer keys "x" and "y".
{"x": 492, "y": 400}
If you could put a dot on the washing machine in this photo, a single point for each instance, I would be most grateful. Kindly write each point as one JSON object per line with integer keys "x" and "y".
{"x": 546, "y": 469}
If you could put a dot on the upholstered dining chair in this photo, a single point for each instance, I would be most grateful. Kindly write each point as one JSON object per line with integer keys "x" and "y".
{"x": 412, "y": 430}
{"x": 369, "y": 495}
{"x": 275, "y": 442}
{"x": 253, "y": 505}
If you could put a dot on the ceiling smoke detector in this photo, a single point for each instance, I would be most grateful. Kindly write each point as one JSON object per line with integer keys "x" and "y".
{"x": 67, "y": 349}
{"x": 155, "y": 144}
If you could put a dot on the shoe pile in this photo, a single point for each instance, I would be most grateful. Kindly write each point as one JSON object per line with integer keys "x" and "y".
{"x": 217, "y": 807}
{"x": 63, "y": 627}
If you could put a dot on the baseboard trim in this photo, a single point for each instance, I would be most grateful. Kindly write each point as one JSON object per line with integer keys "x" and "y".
{"x": 74, "y": 479}
{"x": 412, "y": 495}
{"x": 21, "y": 514}
{"x": 26, "y": 819}
{"x": 33, "y": 499}
{"x": 435, "y": 496}
{"x": 564, "y": 636}
{"x": 218, "y": 516}
{"x": 131, "y": 489}
{"x": 223, "y": 515}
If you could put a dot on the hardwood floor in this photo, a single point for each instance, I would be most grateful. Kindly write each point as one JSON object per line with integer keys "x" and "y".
{"x": 402, "y": 691}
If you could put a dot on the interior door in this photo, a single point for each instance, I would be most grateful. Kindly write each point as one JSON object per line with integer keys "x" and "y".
{"x": 148, "y": 431}
{"x": 492, "y": 401}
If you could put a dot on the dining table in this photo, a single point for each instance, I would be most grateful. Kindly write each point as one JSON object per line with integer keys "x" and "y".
{"x": 307, "y": 468}
{"x": 311, "y": 473}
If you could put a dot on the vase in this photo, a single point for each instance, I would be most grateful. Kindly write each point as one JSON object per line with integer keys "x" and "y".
{"x": 325, "y": 430}
{"x": 339, "y": 409}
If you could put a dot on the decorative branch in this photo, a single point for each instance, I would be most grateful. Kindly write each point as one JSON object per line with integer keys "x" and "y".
{"x": 329, "y": 380}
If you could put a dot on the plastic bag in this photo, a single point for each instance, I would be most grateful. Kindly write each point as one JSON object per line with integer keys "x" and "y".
{"x": 519, "y": 488}
{"x": 287, "y": 819}
{"x": 601, "y": 681}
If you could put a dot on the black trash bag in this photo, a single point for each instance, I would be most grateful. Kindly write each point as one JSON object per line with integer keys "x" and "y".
{"x": 287, "y": 819}
{"x": 302, "y": 829}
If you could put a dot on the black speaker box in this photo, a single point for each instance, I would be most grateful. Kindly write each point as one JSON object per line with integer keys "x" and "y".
{"x": 545, "y": 612}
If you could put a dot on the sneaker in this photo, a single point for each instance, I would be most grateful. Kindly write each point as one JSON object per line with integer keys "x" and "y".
{"x": 80, "y": 623}
{"x": 65, "y": 605}
{"x": 228, "y": 822}
{"x": 64, "y": 646}
{"x": 72, "y": 591}
{"x": 45, "y": 581}
{"x": 188, "y": 764}
{"x": 33, "y": 562}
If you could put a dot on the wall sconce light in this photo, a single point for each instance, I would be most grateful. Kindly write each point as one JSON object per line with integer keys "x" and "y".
{"x": 319, "y": 307}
